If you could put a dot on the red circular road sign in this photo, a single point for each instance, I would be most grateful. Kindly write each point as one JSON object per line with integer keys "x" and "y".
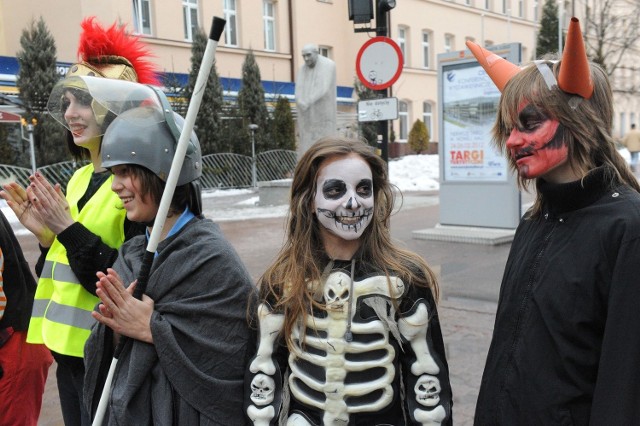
{"x": 379, "y": 63}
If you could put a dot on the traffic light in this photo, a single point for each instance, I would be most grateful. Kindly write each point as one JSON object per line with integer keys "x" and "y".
{"x": 361, "y": 11}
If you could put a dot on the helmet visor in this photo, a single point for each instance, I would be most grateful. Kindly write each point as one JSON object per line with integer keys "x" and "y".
{"x": 95, "y": 98}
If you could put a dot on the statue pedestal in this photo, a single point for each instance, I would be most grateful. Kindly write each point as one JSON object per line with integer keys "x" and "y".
{"x": 274, "y": 192}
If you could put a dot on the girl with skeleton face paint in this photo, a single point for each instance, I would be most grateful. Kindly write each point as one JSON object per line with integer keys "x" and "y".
{"x": 567, "y": 329}
{"x": 346, "y": 319}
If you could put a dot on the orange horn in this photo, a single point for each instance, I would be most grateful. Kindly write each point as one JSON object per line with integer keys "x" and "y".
{"x": 499, "y": 69}
{"x": 575, "y": 74}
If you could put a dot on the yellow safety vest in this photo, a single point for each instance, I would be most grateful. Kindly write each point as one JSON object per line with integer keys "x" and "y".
{"x": 61, "y": 316}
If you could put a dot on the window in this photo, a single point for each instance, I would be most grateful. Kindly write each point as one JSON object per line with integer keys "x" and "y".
{"x": 448, "y": 42}
{"x": 269, "y": 20}
{"x": 623, "y": 124}
{"x": 427, "y": 118}
{"x": 231, "y": 29}
{"x": 190, "y": 18}
{"x": 426, "y": 53}
{"x": 324, "y": 51}
{"x": 142, "y": 16}
{"x": 632, "y": 118}
{"x": 403, "y": 120}
{"x": 402, "y": 43}
{"x": 505, "y": 6}
{"x": 487, "y": 4}
{"x": 521, "y": 7}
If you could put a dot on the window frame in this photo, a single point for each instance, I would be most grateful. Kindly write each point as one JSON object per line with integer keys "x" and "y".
{"x": 426, "y": 49}
{"x": 403, "y": 42}
{"x": 230, "y": 12}
{"x": 449, "y": 42}
{"x": 403, "y": 120}
{"x": 427, "y": 117}
{"x": 188, "y": 8}
{"x": 269, "y": 25}
{"x": 140, "y": 7}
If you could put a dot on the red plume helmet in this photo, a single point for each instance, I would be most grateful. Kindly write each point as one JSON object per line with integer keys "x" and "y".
{"x": 113, "y": 53}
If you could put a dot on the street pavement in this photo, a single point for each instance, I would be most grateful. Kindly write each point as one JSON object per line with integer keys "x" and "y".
{"x": 469, "y": 276}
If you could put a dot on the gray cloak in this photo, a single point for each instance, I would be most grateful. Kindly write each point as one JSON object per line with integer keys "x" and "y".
{"x": 193, "y": 373}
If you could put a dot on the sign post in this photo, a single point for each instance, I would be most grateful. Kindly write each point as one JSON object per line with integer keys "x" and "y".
{"x": 379, "y": 65}
{"x": 32, "y": 148}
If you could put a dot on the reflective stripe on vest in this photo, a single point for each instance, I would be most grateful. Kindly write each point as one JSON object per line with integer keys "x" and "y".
{"x": 61, "y": 316}
{"x": 69, "y": 315}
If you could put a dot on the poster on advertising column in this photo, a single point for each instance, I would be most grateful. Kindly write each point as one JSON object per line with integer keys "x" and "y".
{"x": 469, "y": 111}
{"x": 477, "y": 188}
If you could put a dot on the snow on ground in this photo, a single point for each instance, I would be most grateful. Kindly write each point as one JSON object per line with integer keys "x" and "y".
{"x": 410, "y": 173}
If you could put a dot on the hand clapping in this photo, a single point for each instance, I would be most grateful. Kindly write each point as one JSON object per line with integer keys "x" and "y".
{"x": 120, "y": 311}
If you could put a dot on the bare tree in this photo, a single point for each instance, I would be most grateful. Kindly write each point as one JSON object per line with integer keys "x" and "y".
{"x": 612, "y": 30}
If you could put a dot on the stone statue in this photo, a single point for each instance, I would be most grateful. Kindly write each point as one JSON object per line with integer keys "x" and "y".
{"x": 315, "y": 98}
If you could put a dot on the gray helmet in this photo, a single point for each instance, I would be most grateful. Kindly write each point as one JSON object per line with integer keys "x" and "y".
{"x": 147, "y": 137}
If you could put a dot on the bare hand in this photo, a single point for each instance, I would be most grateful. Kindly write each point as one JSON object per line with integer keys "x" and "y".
{"x": 18, "y": 200}
{"x": 50, "y": 203}
{"x": 120, "y": 311}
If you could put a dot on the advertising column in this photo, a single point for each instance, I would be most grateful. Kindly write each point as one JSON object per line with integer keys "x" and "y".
{"x": 476, "y": 186}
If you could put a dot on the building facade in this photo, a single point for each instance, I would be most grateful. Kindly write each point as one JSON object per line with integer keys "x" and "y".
{"x": 276, "y": 31}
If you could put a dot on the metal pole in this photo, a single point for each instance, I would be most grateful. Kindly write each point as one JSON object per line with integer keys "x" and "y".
{"x": 253, "y": 128}
{"x": 253, "y": 159}
{"x": 383, "y": 126}
{"x": 32, "y": 148}
{"x": 560, "y": 7}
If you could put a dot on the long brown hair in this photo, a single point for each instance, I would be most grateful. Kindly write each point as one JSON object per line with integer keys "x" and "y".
{"x": 302, "y": 258}
{"x": 586, "y": 123}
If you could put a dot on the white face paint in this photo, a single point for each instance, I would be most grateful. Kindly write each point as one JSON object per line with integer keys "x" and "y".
{"x": 344, "y": 196}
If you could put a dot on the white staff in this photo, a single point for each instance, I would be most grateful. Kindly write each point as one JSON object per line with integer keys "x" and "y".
{"x": 194, "y": 106}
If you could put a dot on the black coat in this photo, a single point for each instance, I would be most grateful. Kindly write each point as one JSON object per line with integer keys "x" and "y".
{"x": 566, "y": 343}
{"x": 19, "y": 284}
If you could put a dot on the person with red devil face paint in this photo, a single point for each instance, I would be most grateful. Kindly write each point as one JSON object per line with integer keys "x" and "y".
{"x": 566, "y": 340}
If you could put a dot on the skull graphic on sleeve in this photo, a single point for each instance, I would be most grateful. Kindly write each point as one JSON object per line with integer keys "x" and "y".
{"x": 428, "y": 390}
{"x": 262, "y": 389}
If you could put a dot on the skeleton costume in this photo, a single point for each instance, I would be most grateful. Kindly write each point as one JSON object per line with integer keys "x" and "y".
{"x": 370, "y": 351}
{"x": 361, "y": 362}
